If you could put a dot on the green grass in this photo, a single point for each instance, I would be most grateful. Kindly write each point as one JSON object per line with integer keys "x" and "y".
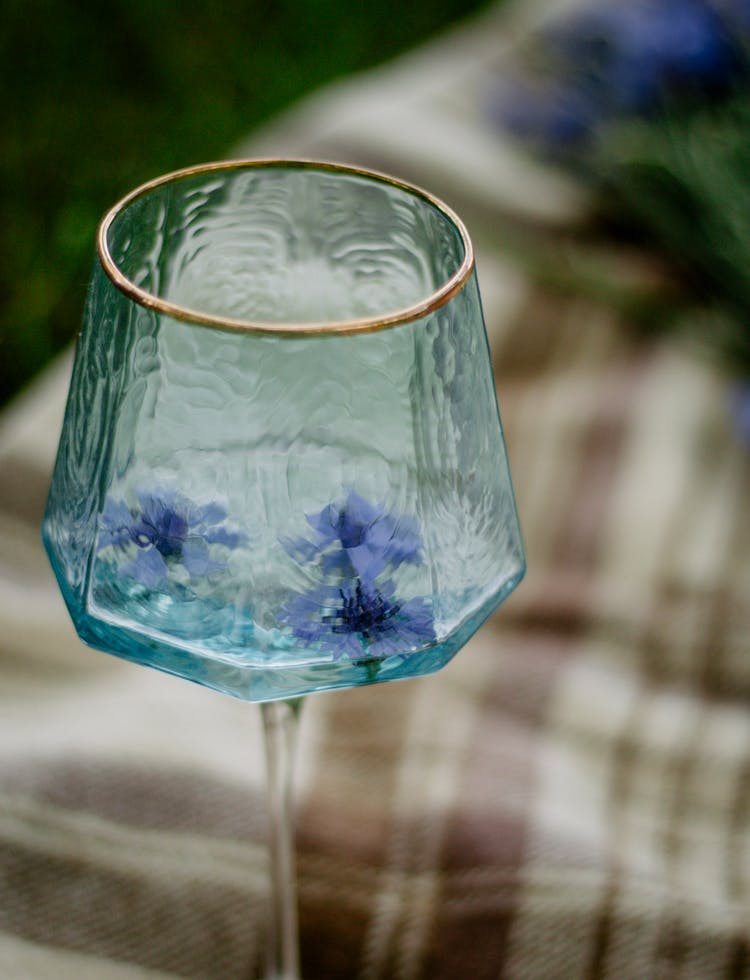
{"x": 100, "y": 97}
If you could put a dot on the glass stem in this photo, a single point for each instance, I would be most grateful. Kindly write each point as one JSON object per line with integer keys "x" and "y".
{"x": 280, "y": 724}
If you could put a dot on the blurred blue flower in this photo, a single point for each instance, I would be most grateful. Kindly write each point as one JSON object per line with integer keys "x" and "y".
{"x": 634, "y": 53}
{"x": 737, "y": 14}
{"x": 165, "y": 531}
{"x": 554, "y": 118}
{"x": 360, "y": 620}
{"x": 355, "y": 611}
{"x": 614, "y": 59}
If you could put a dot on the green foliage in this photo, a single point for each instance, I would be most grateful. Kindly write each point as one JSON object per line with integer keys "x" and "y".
{"x": 684, "y": 182}
{"x": 100, "y": 97}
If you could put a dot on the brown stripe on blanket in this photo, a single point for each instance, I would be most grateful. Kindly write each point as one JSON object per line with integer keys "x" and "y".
{"x": 599, "y": 450}
{"x": 648, "y": 632}
{"x": 485, "y": 841}
{"x": 738, "y": 967}
{"x": 360, "y": 734}
{"x": 622, "y": 768}
{"x": 561, "y": 592}
{"x": 139, "y": 795}
{"x": 192, "y": 926}
{"x": 730, "y": 616}
{"x": 195, "y": 928}
{"x": 344, "y": 822}
{"x": 688, "y": 636}
{"x": 510, "y": 696}
{"x": 439, "y": 736}
{"x": 336, "y": 897}
{"x": 737, "y": 849}
{"x": 554, "y": 607}
{"x": 659, "y": 814}
{"x": 612, "y": 928}
{"x": 674, "y": 943}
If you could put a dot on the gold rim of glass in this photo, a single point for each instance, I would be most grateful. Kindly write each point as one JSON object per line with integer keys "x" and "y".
{"x": 432, "y": 302}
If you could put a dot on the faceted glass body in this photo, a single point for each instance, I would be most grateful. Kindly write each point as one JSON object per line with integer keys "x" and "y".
{"x": 272, "y": 510}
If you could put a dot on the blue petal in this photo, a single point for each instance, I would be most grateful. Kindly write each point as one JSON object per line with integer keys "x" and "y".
{"x": 197, "y": 560}
{"x": 411, "y": 628}
{"x": 349, "y": 645}
{"x": 399, "y": 539}
{"x": 347, "y": 522}
{"x": 211, "y": 513}
{"x": 356, "y": 518}
{"x": 114, "y": 524}
{"x": 370, "y": 537}
{"x": 149, "y": 568}
{"x": 225, "y": 537}
{"x": 116, "y": 513}
{"x": 369, "y": 563}
{"x": 555, "y": 120}
{"x": 415, "y": 616}
{"x": 172, "y": 525}
{"x": 325, "y": 522}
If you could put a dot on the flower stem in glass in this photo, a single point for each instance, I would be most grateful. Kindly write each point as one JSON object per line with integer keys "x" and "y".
{"x": 280, "y": 724}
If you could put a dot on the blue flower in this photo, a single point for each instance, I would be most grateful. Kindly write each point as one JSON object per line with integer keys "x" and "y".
{"x": 613, "y": 60}
{"x": 165, "y": 532}
{"x": 361, "y": 621}
{"x": 359, "y": 538}
{"x": 553, "y": 118}
{"x": 634, "y": 54}
{"x": 355, "y": 611}
{"x": 737, "y": 14}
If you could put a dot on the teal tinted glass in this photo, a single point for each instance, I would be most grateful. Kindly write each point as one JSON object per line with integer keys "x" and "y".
{"x": 268, "y": 512}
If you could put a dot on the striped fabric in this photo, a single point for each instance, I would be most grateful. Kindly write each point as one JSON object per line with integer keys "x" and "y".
{"x": 568, "y": 800}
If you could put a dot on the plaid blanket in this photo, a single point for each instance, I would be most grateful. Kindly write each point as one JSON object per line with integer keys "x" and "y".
{"x": 568, "y": 800}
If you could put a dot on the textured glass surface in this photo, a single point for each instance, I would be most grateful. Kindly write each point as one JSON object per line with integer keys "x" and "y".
{"x": 271, "y": 515}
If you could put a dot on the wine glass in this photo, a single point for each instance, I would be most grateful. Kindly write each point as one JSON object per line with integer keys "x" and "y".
{"x": 282, "y": 468}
